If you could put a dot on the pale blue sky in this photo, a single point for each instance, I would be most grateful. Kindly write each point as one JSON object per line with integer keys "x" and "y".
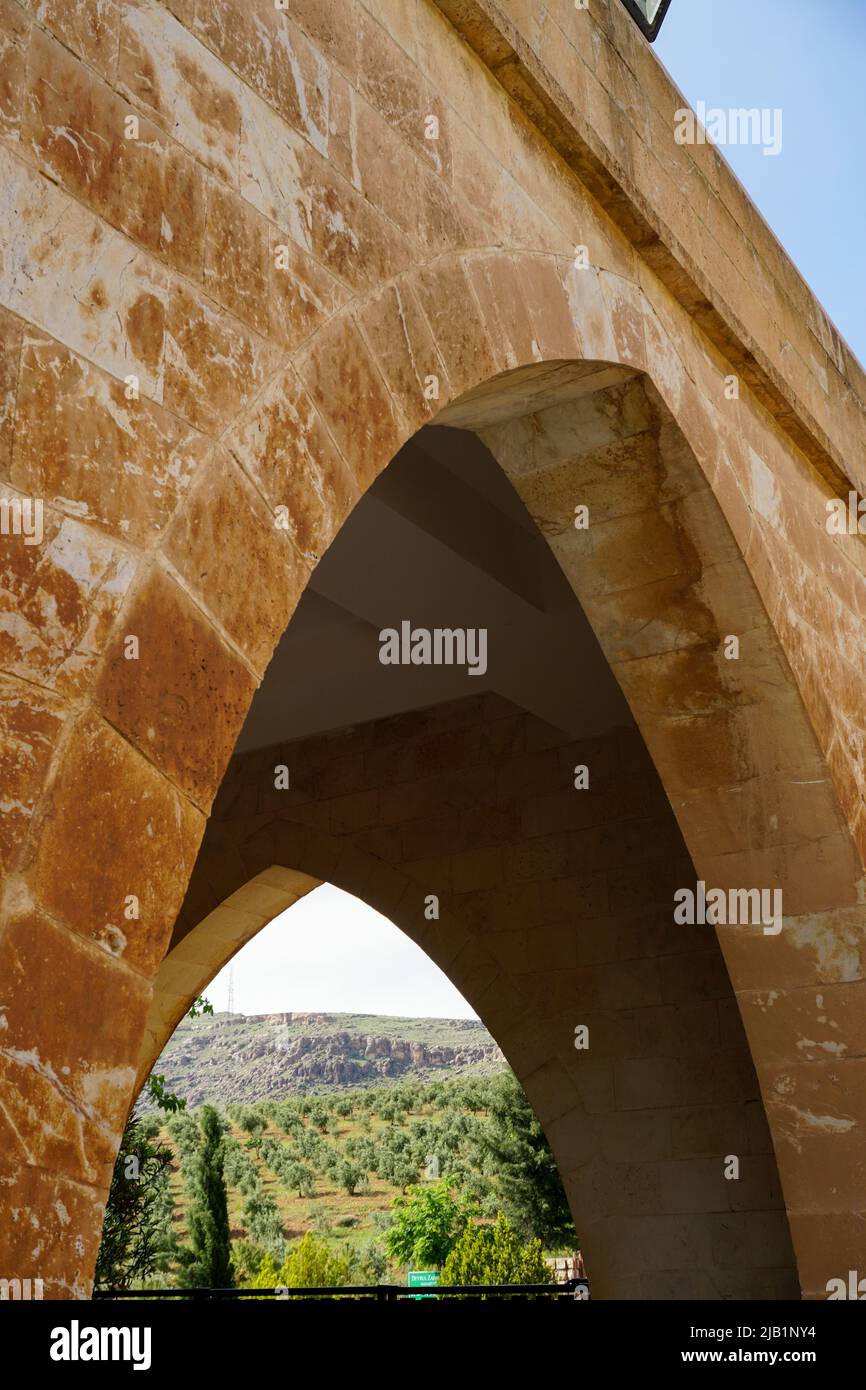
{"x": 808, "y": 57}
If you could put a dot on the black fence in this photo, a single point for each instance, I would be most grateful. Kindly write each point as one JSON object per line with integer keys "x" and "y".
{"x": 380, "y": 1293}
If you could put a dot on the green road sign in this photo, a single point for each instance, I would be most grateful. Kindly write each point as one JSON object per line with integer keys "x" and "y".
{"x": 423, "y": 1278}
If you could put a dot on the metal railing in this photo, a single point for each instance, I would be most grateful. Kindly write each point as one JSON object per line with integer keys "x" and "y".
{"x": 380, "y": 1293}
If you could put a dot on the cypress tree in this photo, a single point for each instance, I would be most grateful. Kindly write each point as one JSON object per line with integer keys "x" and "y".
{"x": 209, "y": 1263}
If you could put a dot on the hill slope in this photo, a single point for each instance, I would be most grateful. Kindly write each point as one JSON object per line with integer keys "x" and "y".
{"x": 240, "y": 1058}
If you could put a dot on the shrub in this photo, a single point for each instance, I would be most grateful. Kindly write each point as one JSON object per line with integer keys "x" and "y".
{"x": 309, "y": 1266}
{"x": 371, "y": 1264}
{"x": 494, "y": 1255}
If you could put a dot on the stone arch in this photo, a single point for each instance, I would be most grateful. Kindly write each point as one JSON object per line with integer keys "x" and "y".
{"x": 203, "y": 944}
{"x": 361, "y": 369}
{"x": 189, "y": 967}
{"x": 732, "y": 742}
{"x": 297, "y": 397}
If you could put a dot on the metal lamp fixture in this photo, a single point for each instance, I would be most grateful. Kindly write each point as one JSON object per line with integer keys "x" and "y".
{"x": 648, "y": 15}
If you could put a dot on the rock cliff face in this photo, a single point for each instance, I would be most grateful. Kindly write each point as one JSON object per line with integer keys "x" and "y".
{"x": 267, "y": 1056}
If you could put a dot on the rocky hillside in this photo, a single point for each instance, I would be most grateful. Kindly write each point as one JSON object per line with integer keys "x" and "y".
{"x": 235, "y": 1057}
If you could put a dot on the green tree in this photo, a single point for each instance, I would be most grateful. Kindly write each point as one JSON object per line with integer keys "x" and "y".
{"x": 309, "y": 1266}
{"x": 349, "y": 1175}
{"x": 494, "y": 1255}
{"x": 298, "y": 1175}
{"x": 362, "y": 1150}
{"x": 251, "y": 1120}
{"x": 208, "y": 1264}
{"x": 320, "y": 1116}
{"x": 262, "y": 1219}
{"x": 135, "y": 1238}
{"x": 186, "y": 1135}
{"x": 427, "y": 1222}
{"x": 247, "y": 1259}
{"x": 511, "y": 1144}
{"x": 404, "y": 1173}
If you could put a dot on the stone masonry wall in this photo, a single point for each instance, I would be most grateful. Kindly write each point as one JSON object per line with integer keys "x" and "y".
{"x": 554, "y": 910}
{"x": 230, "y": 260}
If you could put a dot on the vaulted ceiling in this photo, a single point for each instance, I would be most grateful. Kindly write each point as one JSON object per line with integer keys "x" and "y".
{"x": 454, "y": 547}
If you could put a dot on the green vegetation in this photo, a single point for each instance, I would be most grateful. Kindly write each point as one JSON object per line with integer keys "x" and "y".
{"x": 425, "y": 1226}
{"x": 309, "y": 1266}
{"x": 136, "y": 1240}
{"x": 514, "y": 1147}
{"x": 354, "y": 1187}
{"x": 493, "y": 1254}
{"x": 208, "y": 1262}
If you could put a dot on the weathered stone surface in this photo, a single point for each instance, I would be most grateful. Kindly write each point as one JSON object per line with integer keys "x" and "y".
{"x": 284, "y": 446}
{"x": 75, "y": 130}
{"x": 267, "y": 49}
{"x": 462, "y": 341}
{"x": 10, "y": 350}
{"x": 333, "y": 30}
{"x": 66, "y": 272}
{"x": 427, "y": 211}
{"x": 14, "y": 35}
{"x": 60, "y": 599}
{"x": 64, "y": 1104}
{"x": 409, "y": 358}
{"x": 128, "y": 820}
{"x": 173, "y": 77}
{"x": 288, "y": 181}
{"x": 344, "y": 382}
{"x": 225, "y": 534}
{"x": 236, "y": 256}
{"x": 52, "y": 1228}
{"x": 302, "y": 295}
{"x": 89, "y": 27}
{"x": 184, "y": 10}
{"x": 89, "y": 450}
{"x": 183, "y": 667}
{"x": 30, "y": 725}
{"x": 214, "y": 365}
